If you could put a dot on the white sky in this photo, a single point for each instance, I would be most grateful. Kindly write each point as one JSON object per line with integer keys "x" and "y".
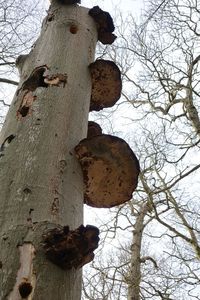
{"x": 132, "y": 6}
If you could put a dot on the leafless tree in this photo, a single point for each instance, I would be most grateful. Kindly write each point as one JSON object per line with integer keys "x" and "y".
{"x": 159, "y": 58}
{"x": 20, "y": 22}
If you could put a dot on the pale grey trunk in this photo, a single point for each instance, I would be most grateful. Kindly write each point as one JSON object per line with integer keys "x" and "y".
{"x": 40, "y": 179}
{"x": 134, "y": 277}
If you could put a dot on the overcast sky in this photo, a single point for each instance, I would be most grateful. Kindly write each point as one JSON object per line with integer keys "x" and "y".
{"x": 131, "y": 6}
{"x": 126, "y": 5}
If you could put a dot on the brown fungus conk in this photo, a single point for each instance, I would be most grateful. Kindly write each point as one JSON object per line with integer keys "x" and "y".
{"x": 105, "y": 25}
{"x": 71, "y": 248}
{"x": 106, "y": 84}
{"x": 110, "y": 170}
{"x": 94, "y": 129}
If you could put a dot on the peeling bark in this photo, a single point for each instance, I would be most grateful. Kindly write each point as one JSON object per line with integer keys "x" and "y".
{"x": 40, "y": 178}
{"x": 25, "y": 281}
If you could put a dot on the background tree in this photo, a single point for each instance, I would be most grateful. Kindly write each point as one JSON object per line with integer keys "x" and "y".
{"x": 159, "y": 58}
{"x": 20, "y": 24}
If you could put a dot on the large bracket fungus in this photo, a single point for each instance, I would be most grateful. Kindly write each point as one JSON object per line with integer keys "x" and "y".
{"x": 106, "y": 84}
{"x": 105, "y": 25}
{"x": 110, "y": 170}
{"x": 71, "y": 248}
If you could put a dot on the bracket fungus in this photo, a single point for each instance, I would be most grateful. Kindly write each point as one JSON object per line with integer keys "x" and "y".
{"x": 93, "y": 129}
{"x": 110, "y": 170}
{"x": 106, "y": 84}
{"x": 105, "y": 25}
{"x": 71, "y": 248}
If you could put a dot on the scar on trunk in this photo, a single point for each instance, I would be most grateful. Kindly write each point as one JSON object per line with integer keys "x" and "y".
{"x": 35, "y": 80}
{"x": 6, "y": 143}
{"x": 25, "y": 281}
{"x": 56, "y": 79}
{"x": 25, "y": 288}
{"x": 73, "y": 28}
{"x": 25, "y": 106}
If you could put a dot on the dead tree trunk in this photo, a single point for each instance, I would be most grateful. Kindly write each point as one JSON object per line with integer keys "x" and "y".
{"x": 40, "y": 180}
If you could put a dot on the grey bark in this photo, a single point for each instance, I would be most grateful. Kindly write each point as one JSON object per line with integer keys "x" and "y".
{"x": 134, "y": 277}
{"x": 40, "y": 180}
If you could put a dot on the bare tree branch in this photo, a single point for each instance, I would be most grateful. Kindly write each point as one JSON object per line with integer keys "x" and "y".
{"x": 13, "y": 82}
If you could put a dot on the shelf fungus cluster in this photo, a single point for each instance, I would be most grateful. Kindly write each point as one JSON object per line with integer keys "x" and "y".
{"x": 71, "y": 248}
{"x": 110, "y": 168}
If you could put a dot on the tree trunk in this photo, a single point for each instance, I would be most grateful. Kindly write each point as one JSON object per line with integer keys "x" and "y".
{"x": 41, "y": 182}
{"x": 134, "y": 278}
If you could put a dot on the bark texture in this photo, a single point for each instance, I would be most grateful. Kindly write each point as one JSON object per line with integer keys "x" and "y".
{"x": 40, "y": 178}
{"x": 134, "y": 278}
